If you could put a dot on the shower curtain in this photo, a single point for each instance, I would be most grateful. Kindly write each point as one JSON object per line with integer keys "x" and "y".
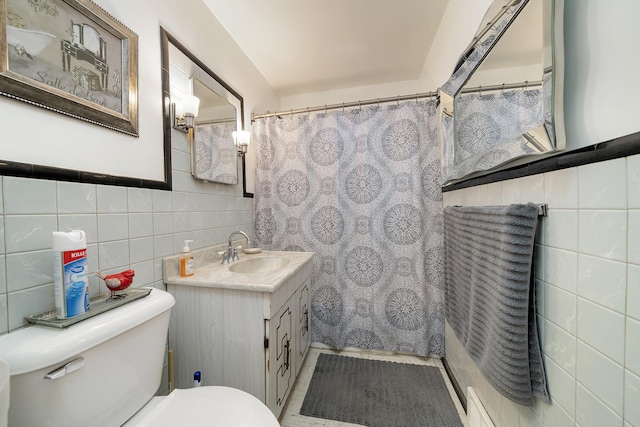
{"x": 215, "y": 157}
{"x": 489, "y": 128}
{"x": 361, "y": 188}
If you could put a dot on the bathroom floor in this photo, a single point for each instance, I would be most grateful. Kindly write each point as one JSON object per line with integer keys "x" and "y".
{"x": 291, "y": 416}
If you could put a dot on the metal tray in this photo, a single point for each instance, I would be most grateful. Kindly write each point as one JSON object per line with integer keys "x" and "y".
{"x": 97, "y": 304}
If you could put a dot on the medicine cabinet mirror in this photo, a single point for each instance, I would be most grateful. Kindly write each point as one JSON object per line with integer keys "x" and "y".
{"x": 507, "y": 91}
{"x": 221, "y": 112}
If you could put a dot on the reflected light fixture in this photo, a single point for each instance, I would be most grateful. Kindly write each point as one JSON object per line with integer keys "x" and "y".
{"x": 241, "y": 140}
{"x": 184, "y": 110}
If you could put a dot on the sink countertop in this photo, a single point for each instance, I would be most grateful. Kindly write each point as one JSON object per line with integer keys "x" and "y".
{"x": 216, "y": 275}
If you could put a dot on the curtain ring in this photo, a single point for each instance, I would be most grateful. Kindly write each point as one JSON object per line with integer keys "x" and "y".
{"x": 417, "y": 94}
{"x": 308, "y": 112}
{"x": 325, "y": 108}
{"x": 480, "y": 90}
{"x": 291, "y": 112}
{"x": 526, "y": 85}
{"x": 503, "y": 88}
{"x": 343, "y": 107}
{"x": 398, "y": 101}
{"x": 359, "y": 105}
{"x": 378, "y": 102}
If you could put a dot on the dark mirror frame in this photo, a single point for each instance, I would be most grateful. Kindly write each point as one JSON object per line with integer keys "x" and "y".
{"x": 165, "y": 39}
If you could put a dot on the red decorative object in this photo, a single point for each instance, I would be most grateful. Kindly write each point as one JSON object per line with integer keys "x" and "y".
{"x": 119, "y": 281}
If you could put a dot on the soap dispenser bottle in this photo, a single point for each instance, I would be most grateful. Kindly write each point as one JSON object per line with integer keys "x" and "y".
{"x": 186, "y": 260}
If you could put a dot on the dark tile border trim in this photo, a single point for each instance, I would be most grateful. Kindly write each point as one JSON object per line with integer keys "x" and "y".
{"x": 624, "y": 146}
{"x": 27, "y": 170}
{"x": 461, "y": 396}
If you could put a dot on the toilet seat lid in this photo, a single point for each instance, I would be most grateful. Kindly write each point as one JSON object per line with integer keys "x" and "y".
{"x": 210, "y": 406}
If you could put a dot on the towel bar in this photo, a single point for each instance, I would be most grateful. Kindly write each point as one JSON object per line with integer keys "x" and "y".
{"x": 542, "y": 209}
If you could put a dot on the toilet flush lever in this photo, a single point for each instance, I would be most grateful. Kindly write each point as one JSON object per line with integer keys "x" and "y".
{"x": 70, "y": 367}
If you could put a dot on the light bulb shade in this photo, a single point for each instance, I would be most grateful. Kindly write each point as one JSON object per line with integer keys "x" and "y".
{"x": 242, "y": 138}
{"x": 184, "y": 109}
{"x": 190, "y": 105}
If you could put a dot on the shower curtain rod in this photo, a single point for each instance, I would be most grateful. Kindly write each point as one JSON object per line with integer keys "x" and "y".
{"x": 525, "y": 84}
{"x": 215, "y": 121}
{"x": 344, "y": 105}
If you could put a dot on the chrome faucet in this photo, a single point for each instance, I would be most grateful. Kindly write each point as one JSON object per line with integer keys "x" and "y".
{"x": 231, "y": 254}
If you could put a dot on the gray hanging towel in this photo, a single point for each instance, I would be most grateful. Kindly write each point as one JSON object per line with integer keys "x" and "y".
{"x": 490, "y": 295}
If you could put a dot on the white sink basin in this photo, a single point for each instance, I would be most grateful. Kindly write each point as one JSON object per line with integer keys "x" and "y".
{"x": 261, "y": 272}
{"x": 259, "y": 265}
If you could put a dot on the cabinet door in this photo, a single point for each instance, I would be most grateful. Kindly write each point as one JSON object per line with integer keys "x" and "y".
{"x": 303, "y": 332}
{"x": 283, "y": 342}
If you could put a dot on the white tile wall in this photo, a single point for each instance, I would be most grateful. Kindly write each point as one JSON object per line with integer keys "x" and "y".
{"x": 603, "y": 185}
{"x": 588, "y": 282}
{"x": 633, "y": 345}
{"x": 632, "y": 397}
{"x": 126, "y": 228}
{"x": 593, "y": 272}
{"x": 603, "y": 233}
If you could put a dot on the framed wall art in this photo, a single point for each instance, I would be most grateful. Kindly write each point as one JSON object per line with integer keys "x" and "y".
{"x": 71, "y": 57}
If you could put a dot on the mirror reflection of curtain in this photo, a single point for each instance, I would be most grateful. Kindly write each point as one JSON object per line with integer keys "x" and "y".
{"x": 489, "y": 128}
{"x": 361, "y": 188}
{"x": 446, "y": 137}
{"x": 215, "y": 155}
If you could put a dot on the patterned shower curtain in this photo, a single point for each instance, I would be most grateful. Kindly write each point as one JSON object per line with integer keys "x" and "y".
{"x": 361, "y": 188}
{"x": 489, "y": 128}
{"x": 216, "y": 158}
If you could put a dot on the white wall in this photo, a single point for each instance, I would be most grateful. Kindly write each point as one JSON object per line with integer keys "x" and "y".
{"x": 602, "y": 94}
{"x": 126, "y": 227}
{"x": 34, "y": 135}
{"x": 458, "y": 25}
{"x": 588, "y": 287}
{"x": 522, "y": 73}
{"x": 601, "y": 91}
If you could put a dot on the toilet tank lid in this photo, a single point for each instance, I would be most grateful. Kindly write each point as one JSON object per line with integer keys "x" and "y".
{"x": 36, "y": 347}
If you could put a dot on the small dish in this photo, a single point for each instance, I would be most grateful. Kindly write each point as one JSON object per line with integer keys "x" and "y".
{"x": 250, "y": 251}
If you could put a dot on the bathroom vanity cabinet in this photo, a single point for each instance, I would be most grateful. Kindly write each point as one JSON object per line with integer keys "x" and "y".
{"x": 254, "y": 338}
{"x": 286, "y": 344}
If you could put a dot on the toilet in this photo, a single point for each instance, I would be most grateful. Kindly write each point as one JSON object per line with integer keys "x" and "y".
{"x": 105, "y": 371}
{"x": 4, "y": 393}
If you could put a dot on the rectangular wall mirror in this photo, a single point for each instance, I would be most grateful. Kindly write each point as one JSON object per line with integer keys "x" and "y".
{"x": 220, "y": 113}
{"x": 507, "y": 90}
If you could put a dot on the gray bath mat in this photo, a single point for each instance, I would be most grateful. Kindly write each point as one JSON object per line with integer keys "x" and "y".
{"x": 379, "y": 394}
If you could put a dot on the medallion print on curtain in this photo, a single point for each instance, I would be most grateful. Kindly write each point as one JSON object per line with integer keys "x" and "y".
{"x": 361, "y": 188}
{"x": 490, "y": 129}
{"x": 216, "y": 158}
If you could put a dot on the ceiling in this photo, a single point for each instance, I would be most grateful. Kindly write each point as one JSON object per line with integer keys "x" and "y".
{"x": 303, "y": 46}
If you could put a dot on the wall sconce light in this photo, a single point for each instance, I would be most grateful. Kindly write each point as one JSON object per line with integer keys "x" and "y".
{"x": 241, "y": 140}
{"x": 184, "y": 110}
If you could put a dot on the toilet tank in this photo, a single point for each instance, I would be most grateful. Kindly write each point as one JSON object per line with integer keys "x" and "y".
{"x": 114, "y": 362}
